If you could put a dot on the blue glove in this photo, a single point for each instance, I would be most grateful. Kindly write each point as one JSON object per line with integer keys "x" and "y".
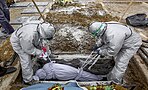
{"x": 95, "y": 47}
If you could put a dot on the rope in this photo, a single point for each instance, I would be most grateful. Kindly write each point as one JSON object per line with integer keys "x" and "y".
{"x": 94, "y": 62}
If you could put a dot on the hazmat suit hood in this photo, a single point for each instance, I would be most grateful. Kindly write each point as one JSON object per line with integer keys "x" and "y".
{"x": 46, "y": 30}
{"x": 97, "y": 28}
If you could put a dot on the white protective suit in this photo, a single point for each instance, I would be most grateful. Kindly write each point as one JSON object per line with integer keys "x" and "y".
{"x": 122, "y": 43}
{"x": 26, "y": 41}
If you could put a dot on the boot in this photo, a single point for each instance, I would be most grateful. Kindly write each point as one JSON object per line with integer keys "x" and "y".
{"x": 4, "y": 71}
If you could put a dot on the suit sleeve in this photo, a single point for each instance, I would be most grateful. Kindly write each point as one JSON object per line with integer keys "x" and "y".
{"x": 29, "y": 48}
{"x": 114, "y": 44}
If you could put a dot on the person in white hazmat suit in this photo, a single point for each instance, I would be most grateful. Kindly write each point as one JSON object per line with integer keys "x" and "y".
{"x": 117, "y": 40}
{"x": 27, "y": 41}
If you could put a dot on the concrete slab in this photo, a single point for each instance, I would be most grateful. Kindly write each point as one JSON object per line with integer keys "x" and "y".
{"x": 32, "y": 10}
{"x": 20, "y": 20}
{"x": 20, "y": 4}
{"x": 39, "y": 4}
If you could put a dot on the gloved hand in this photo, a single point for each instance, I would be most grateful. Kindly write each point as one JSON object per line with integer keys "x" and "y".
{"x": 44, "y": 54}
{"x": 98, "y": 51}
{"x": 95, "y": 47}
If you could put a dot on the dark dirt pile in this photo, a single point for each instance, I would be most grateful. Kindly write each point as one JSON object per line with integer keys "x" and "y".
{"x": 72, "y": 39}
{"x": 75, "y": 15}
{"x": 6, "y": 50}
{"x": 81, "y": 16}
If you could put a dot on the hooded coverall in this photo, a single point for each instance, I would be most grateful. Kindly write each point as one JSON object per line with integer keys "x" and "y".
{"x": 5, "y": 17}
{"x": 26, "y": 42}
{"x": 122, "y": 43}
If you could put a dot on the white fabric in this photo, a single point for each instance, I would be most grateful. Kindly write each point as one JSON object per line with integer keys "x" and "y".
{"x": 63, "y": 72}
{"x": 46, "y": 30}
{"x": 120, "y": 43}
{"x": 97, "y": 26}
{"x": 25, "y": 59}
{"x": 26, "y": 42}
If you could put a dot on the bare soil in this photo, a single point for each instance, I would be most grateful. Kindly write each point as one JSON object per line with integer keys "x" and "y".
{"x": 69, "y": 20}
{"x": 6, "y": 51}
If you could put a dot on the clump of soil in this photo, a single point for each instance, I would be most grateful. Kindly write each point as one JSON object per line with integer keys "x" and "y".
{"x": 83, "y": 16}
{"x": 75, "y": 15}
{"x": 57, "y": 5}
{"x": 6, "y": 50}
{"x": 72, "y": 39}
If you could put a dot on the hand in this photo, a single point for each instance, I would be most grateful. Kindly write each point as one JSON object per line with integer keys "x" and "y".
{"x": 44, "y": 49}
{"x": 98, "y": 51}
{"x": 44, "y": 55}
{"x": 95, "y": 48}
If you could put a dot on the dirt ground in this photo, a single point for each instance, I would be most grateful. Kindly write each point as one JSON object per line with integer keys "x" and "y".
{"x": 6, "y": 51}
{"x": 117, "y": 9}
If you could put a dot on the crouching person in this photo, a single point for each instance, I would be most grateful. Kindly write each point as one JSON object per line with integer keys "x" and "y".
{"x": 117, "y": 40}
{"x": 27, "y": 41}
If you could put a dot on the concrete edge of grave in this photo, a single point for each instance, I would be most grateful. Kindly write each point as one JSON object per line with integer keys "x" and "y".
{"x": 142, "y": 66}
{"x": 33, "y": 12}
{"x": 6, "y": 80}
{"x": 15, "y": 5}
{"x": 39, "y": 3}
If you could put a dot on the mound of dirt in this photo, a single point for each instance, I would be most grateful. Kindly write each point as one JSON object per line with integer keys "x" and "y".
{"x": 6, "y": 50}
{"x": 74, "y": 19}
{"x": 72, "y": 39}
{"x": 79, "y": 15}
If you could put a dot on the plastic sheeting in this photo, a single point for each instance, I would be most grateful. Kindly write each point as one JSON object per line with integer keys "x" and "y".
{"x": 45, "y": 86}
